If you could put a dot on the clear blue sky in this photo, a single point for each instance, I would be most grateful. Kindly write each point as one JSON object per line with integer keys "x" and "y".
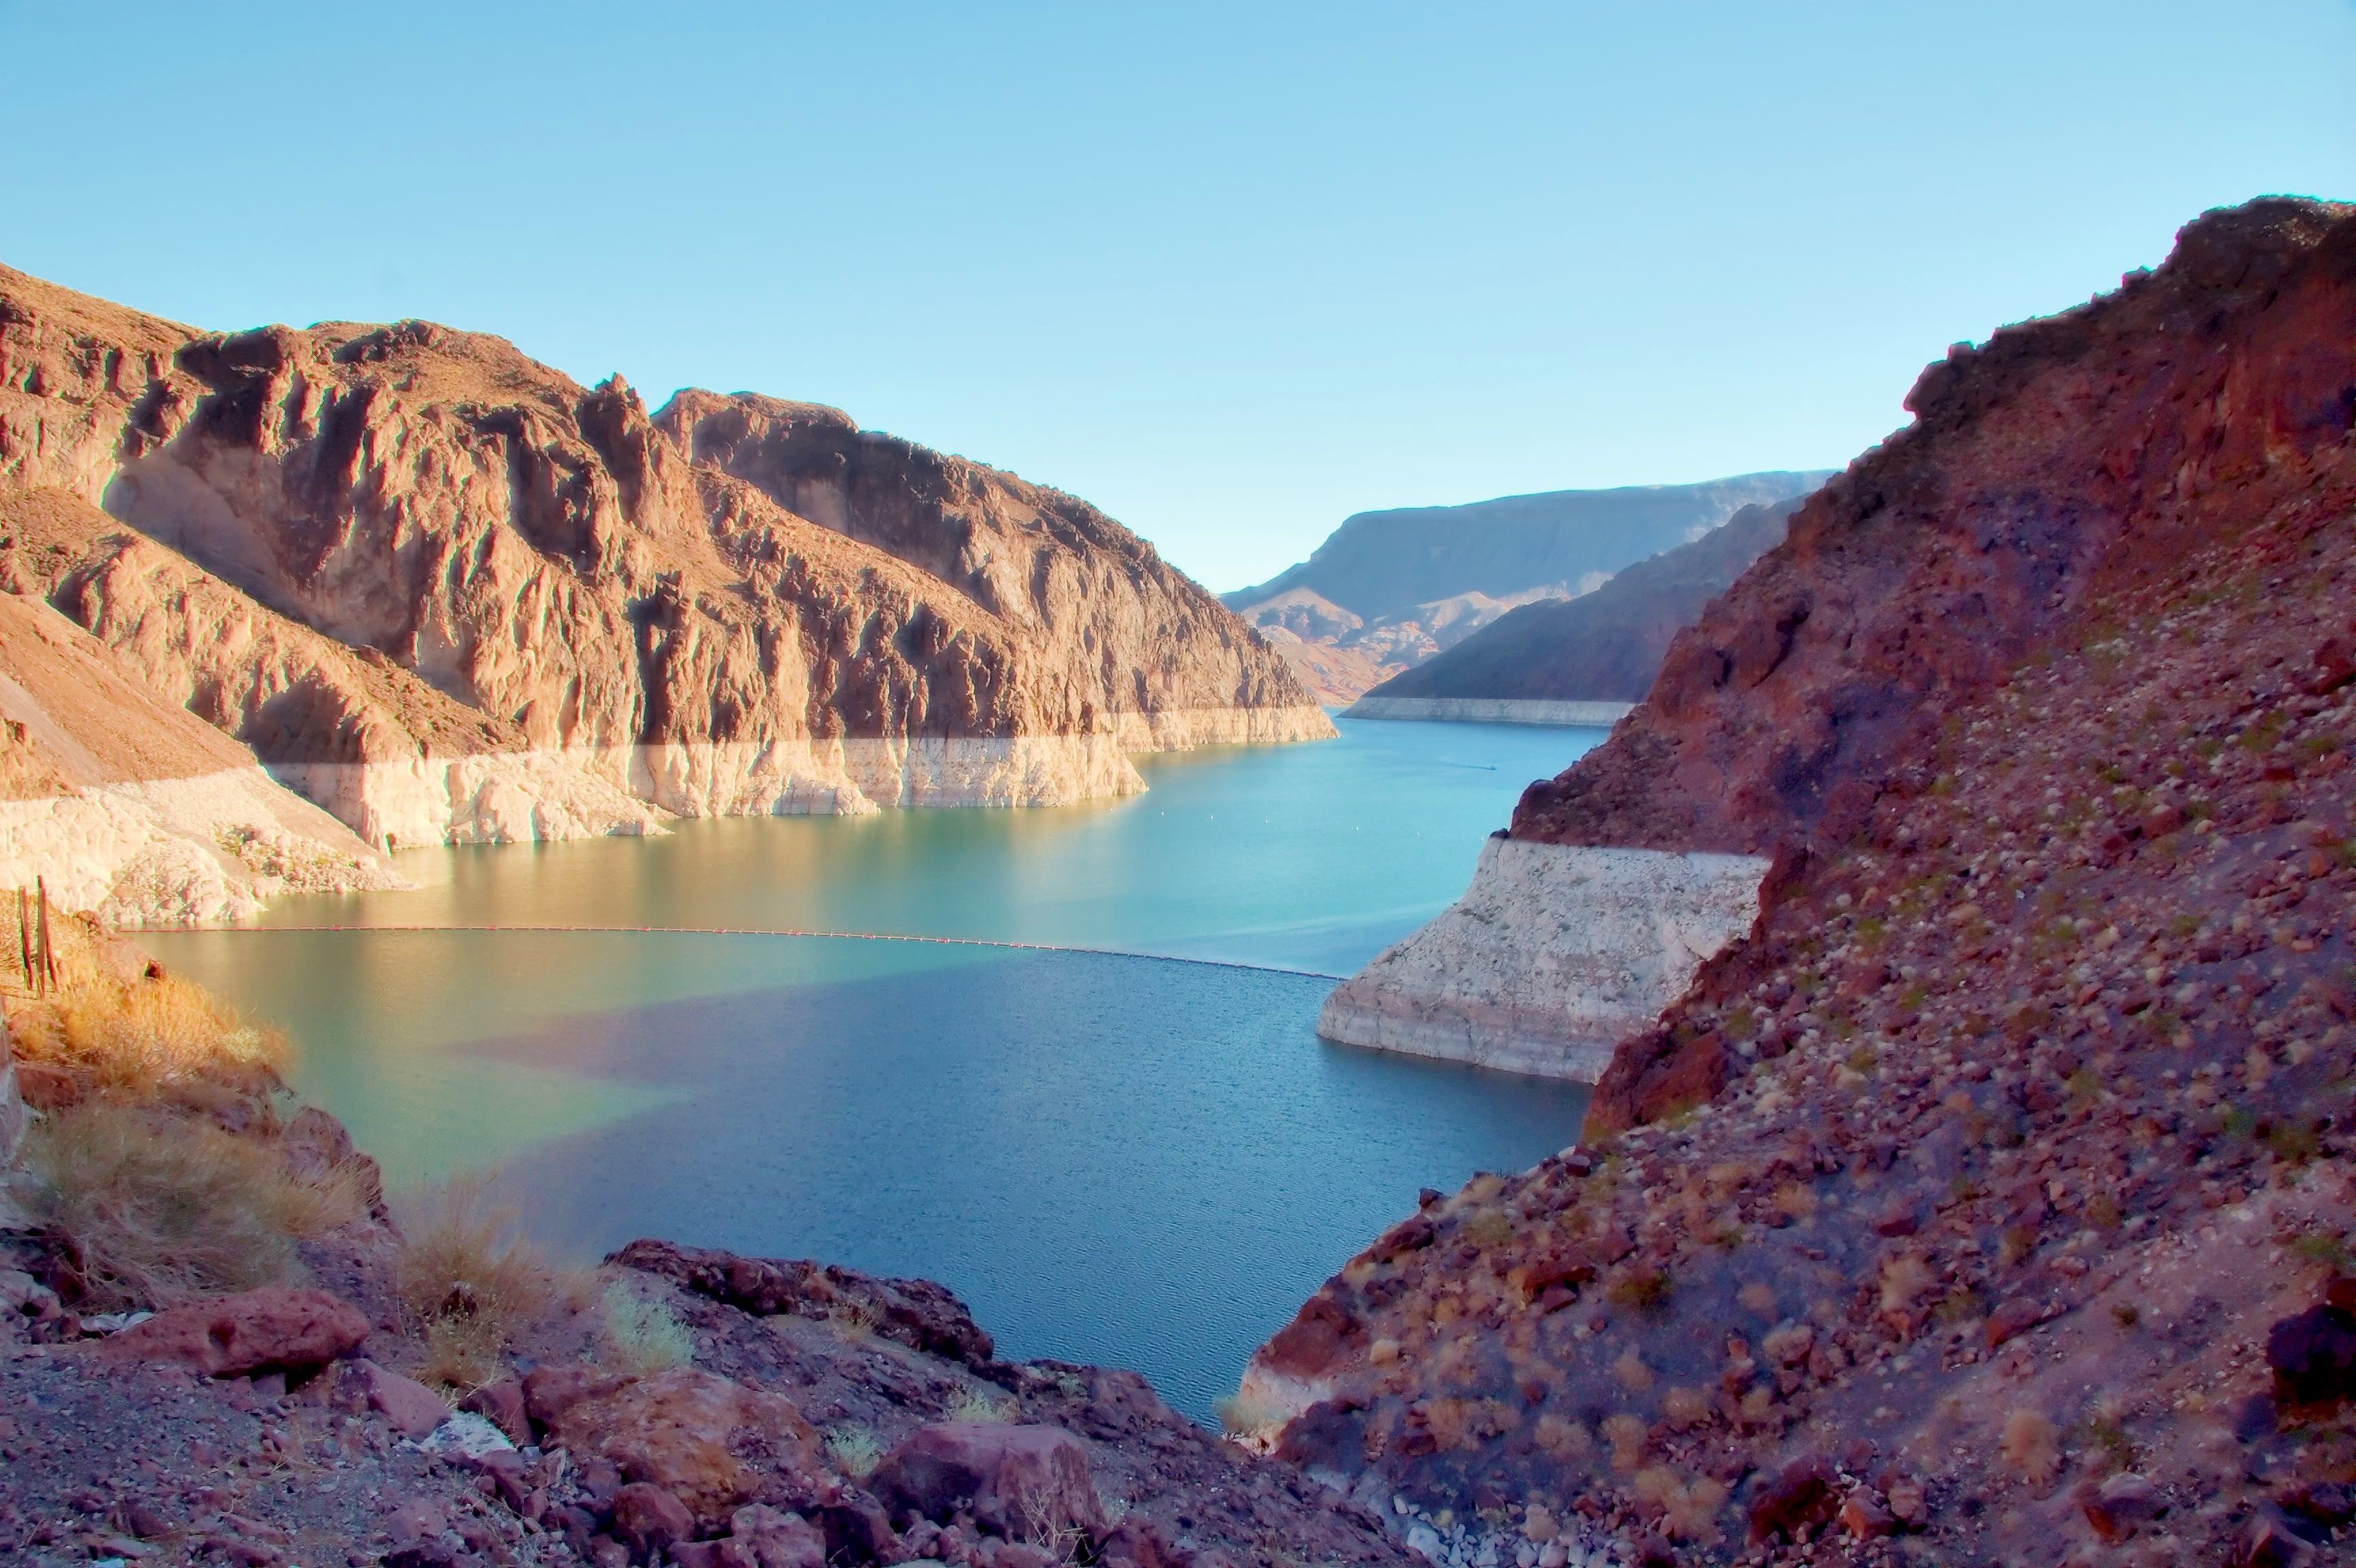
{"x": 1230, "y": 272}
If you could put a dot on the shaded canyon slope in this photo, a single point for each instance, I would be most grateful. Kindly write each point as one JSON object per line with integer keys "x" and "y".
{"x": 1604, "y": 646}
{"x": 1389, "y": 589}
{"x": 1990, "y": 1198}
{"x": 450, "y": 595}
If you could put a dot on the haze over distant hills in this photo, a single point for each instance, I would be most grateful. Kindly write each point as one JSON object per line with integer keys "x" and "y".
{"x": 1605, "y": 646}
{"x": 1389, "y": 589}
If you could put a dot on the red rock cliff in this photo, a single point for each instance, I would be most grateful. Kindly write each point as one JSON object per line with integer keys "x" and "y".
{"x": 2063, "y": 458}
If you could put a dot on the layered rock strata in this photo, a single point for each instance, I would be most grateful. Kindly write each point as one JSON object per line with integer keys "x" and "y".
{"x": 1554, "y": 955}
{"x": 2062, "y": 462}
{"x": 451, "y": 595}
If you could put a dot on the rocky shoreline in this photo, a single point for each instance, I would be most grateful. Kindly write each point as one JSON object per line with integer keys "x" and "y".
{"x": 415, "y": 1392}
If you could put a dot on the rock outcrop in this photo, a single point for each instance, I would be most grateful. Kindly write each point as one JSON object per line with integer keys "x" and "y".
{"x": 1552, "y": 958}
{"x": 1389, "y": 589}
{"x": 449, "y": 594}
{"x": 123, "y": 803}
{"x": 2060, "y": 464}
{"x": 1602, "y": 647}
{"x": 1990, "y": 1199}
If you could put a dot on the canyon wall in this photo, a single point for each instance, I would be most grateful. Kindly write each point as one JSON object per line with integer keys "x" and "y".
{"x": 1989, "y": 1199}
{"x": 450, "y": 595}
{"x": 2062, "y": 460}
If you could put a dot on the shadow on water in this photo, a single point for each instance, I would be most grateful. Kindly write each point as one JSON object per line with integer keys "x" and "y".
{"x": 1114, "y": 1160}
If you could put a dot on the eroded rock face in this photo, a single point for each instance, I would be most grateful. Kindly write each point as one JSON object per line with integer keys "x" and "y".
{"x": 2062, "y": 460}
{"x": 1601, "y": 647}
{"x": 1553, "y": 956}
{"x": 2000, "y": 1169}
{"x": 450, "y": 595}
{"x": 2065, "y": 463}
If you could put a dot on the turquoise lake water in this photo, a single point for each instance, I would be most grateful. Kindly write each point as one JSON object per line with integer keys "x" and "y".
{"x": 1112, "y": 1157}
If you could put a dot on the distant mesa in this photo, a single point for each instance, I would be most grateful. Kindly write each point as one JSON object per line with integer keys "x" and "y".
{"x": 1587, "y": 659}
{"x": 1388, "y": 590}
{"x": 420, "y": 589}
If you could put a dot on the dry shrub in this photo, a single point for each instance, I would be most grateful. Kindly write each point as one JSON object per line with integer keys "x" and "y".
{"x": 2031, "y": 1446}
{"x": 1627, "y": 1433}
{"x": 1688, "y": 1510}
{"x": 167, "y": 1208}
{"x": 1903, "y": 1278}
{"x": 468, "y": 1282}
{"x": 1564, "y": 1439}
{"x": 134, "y": 1038}
{"x": 1684, "y": 1409}
{"x": 643, "y": 1337}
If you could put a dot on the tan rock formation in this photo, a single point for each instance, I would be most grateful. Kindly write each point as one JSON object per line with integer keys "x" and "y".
{"x": 450, "y": 595}
{"x": 124, "y": 804}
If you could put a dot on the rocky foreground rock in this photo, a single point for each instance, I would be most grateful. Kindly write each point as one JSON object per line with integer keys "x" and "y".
{"x": 272, "y": 1428}
{"x": 447, "y": 595}
{"x": 1992, "y": 1199}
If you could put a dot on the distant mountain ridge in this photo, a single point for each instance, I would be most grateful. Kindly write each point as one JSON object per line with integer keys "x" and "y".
{"x": 1397, "y": 587}
{"x": 1606, "y": 646}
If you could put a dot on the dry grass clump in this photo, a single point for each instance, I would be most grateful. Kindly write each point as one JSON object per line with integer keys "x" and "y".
{"x": 132, "y": 1038}
{"x": 468, "y": 1282}
{"x": 2031, "y": 1446}
{"x": 167, "y": 1208}
{"x": 642, "y": 1336}
{"x": 1689, "y": 1510}
{"x": 855, "y": 1450}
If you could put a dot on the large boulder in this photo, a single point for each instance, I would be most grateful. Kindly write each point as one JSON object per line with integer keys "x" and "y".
{"x": 1024, "y": 1483}
{"x": 2313, "y": 1355}
{"x": 251, "y": 1333}
{"x": 714, "y": 1444}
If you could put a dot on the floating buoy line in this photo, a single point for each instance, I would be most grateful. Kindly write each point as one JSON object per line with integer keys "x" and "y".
{"x": 759, "y": 931}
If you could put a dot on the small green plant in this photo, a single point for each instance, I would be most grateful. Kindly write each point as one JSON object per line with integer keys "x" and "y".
{"x": 1644, "y": 1289}
{"x": 974, "y": 1403}
{"x": 2323, "y": 1247}
{"x": 853, "y": 1450}
{"x": 643, "y": 1336}
{"x": 1490, "y": 1227}
{"x": 2295, "y": 1141}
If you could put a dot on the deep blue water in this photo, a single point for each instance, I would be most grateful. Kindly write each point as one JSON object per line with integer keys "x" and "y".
{"x": 1120, "y": 1159}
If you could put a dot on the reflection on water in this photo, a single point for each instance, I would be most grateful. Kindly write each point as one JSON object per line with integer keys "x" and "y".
{"x": 1140, "y": 1163}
